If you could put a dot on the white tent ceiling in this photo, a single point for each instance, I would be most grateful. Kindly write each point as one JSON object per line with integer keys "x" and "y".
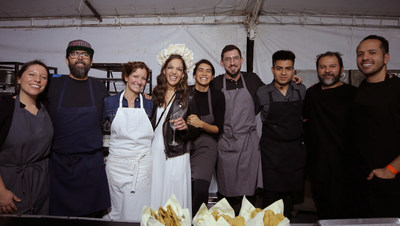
{"x": 77, "y": 8}
{"x": 115, "y": 10}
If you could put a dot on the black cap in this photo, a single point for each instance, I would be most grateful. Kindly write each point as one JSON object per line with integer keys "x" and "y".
{"x": 80, "y": 45}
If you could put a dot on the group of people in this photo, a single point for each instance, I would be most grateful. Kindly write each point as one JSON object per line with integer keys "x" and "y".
{"x": 352, "y": 136}
{"x": 172, "y": 143}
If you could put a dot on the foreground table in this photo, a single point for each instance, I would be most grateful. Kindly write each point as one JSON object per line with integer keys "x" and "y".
{"x": 11, "y": 220}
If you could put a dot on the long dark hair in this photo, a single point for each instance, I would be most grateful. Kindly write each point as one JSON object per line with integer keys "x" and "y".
{"x": 162, "y": 84}
{"x": 25, "y": 67}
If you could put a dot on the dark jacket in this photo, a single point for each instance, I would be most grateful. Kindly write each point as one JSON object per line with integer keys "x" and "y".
{"x": 7, "y": 104}
{"x": 111, "y": 105}
{"x": 183, "y": 137}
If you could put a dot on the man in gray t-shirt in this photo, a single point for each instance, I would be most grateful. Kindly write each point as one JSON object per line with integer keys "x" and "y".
{"x": 283, "y": 156}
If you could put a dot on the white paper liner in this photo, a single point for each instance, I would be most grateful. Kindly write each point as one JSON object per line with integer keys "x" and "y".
{"x": 204, "y": 216}
{"x": 183, "y": 214}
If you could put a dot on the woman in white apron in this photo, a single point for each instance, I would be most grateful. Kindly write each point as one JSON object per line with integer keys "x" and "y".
{"x": 171, "y": 149}
{"x": 128, "y": 164}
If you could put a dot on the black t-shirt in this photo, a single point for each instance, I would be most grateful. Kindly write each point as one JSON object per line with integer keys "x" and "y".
{"x": 217, "y": 104}
{"x": 377, "y": 118}
{"x": 253, "y": 82}
{"x": 77, "y": 94}
{"x": 328, "y": 129}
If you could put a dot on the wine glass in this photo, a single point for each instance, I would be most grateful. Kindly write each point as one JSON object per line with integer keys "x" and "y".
{"x": 172, "y": 120}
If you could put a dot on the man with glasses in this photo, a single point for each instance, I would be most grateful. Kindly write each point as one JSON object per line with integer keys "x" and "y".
{"x": 78, "y": 182}
{"x": 239, "y": 163}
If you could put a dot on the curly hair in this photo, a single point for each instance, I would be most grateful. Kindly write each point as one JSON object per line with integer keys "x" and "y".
{"x": 160, "y": 89}
{"x": 130, "y": 67}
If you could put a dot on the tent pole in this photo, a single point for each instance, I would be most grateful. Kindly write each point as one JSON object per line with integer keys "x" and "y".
{"x": 249, "y": 54}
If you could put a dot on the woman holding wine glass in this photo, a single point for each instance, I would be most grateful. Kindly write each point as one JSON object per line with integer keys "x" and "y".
{"x": 173, "y": 102}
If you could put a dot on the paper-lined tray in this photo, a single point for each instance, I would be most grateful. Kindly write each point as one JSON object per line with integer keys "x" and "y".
{"x": 182, "y": 215}
{"x": 205, "y": 217}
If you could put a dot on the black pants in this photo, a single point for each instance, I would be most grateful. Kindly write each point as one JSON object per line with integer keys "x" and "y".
{"x": 329, "y": 197}
{"x": 270, "y": 197}
{"x": 236, "y": 202}
{"x": 199, "y": 194}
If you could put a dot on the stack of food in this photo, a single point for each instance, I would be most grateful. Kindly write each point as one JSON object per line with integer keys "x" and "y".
{"x": 170, "y": 215}
{"x": 166, "y": 217}
{"x": 269, "y": 218}
{"x": 222, "y": 214}
{"x": 236, "y": 221}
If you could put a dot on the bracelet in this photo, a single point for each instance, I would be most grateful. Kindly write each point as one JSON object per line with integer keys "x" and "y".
{"x": 392, "y": 169}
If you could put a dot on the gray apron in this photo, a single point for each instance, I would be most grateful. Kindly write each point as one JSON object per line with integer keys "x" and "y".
{"x": 204, "y": 155}
{"x": 24, "y": 159}
{"x": 239, "y": 163}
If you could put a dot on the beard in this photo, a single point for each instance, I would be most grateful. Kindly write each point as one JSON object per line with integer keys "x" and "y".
{"x": 77, "y": 71}
{"x": 233, "y": 74}
{"x": 329, "y": 82}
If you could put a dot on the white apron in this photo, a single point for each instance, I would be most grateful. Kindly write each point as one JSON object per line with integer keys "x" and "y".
{"x": 129, "y": 162}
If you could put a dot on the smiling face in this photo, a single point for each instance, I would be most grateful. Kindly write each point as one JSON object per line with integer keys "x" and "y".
{"x": 371, "y": 59}
{"x": 33, "y": 81}
{"x": 329, "y": 70}
{"x": 174, "y": 72}
{"x": 232, "y": 62}
{"x": 136, "y": 81}
{"x": 203, "y": 75}
{"x": 283, "y": 72}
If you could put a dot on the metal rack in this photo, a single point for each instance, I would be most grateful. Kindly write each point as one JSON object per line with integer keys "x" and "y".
{"x": 110, "y": 80}
{"x": 8, "y": 72}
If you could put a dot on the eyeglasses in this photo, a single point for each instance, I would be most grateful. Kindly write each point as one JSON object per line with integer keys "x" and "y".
{"x": 75, "y": 55}
{"x": 235, "y": 58}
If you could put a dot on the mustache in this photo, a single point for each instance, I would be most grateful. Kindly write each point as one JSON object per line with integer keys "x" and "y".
{"x": 80, "y": 62}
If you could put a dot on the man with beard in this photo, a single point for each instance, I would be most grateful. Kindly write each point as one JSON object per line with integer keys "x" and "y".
{"x": 238, "y": 163}
{"x": 282, "y": 153}
{"x": 377, "y": 121}
{"x": 327, "y": 118}
{"x": 78, "y": 182}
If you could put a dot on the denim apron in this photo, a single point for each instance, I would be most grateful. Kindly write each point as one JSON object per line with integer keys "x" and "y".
{"x": 78, "y": 181}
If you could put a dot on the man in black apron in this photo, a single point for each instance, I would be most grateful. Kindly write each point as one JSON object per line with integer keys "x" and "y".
{"x": 238, "y": 162}
{"x": 377, "y": 117}
{"x": 282, "y": 153}
{"x": 78, "y": 182}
